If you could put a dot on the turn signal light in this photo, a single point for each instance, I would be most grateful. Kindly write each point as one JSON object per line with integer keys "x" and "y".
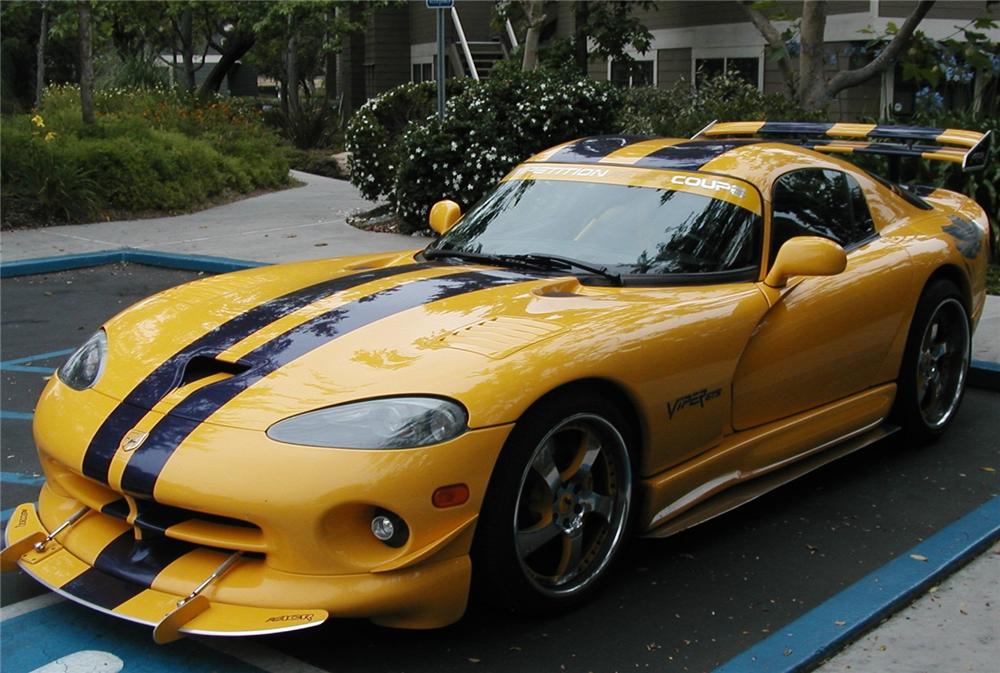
{"x": 451, "y": 496}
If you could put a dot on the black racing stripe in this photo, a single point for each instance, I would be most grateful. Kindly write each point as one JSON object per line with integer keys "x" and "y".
{"x": 689, "y": 156}
{"x": 794, "y": 128}
{"x": 124, "y": 569}
{"x": 591, "y": 150}
{"x": 147, "y": 462}
{"x": 118, "y": 509}
{"x": 906, "y": 132}
{"x": 98, "y": 588}
{"x": 149, "y": 391}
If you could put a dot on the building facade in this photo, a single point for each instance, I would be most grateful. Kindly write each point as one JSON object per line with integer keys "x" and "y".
{"x": 691, "y": 39}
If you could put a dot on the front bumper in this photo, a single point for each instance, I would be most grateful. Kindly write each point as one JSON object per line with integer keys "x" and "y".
{"x": 299, "y": 516}
{"x": 250, "y": 599}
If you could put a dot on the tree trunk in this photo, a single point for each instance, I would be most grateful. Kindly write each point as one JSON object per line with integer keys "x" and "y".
{"x": 86, "y": 61}
{"x": 187, "y": 49}
{"x": 292, "y": 68}
{"x": 43, "y": 33}
{"x": 329, "y": 67}
{"x": 581, "y": 15}
{"x": 238, "y": 45}
{"x": 812, "y": 78}
{"x": 535, "y": 19}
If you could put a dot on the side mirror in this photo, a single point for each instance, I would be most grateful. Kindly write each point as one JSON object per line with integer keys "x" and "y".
{"x": 444, "y": 215}
{"x": 806, "y": 256}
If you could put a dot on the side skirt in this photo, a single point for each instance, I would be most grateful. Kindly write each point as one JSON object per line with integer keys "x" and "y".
{"x": 725, "y": 479}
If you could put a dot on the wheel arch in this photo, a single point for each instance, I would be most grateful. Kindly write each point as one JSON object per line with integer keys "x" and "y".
{"x": 620, "y": 397}
{"x": 955, "y": 275}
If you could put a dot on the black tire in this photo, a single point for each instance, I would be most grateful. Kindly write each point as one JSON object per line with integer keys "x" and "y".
{"x": 935, "y": 364}
{"x": 545, "y": 545}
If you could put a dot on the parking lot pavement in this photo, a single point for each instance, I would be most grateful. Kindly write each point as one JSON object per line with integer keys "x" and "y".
{"x": 306, "y": 222}
{"x": 687, "y": 603}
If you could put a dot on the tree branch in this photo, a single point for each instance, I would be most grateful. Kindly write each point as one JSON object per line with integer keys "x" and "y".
{"x": 774, "y": 40}
{"x": 848, "y": 78}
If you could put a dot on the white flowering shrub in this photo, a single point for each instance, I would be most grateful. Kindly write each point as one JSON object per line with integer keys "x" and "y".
{"x": 375, "y": 130}
{"x": 488, "y": 129}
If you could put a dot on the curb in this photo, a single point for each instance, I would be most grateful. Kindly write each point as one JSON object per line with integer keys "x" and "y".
{"x": 168, "y": 260}
{"x": 806, "y": 642}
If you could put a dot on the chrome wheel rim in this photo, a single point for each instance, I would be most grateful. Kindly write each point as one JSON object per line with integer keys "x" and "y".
{"x": 572, "y": 505}
{"x": 942, "y": 363}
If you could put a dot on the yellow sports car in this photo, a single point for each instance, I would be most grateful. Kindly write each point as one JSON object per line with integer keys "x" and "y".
{"x": 627, "y": 336}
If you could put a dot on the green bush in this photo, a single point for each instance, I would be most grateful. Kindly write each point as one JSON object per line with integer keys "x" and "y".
{"x": 680, "y": 111}
{"x": 488, "y": 129}
{"x": 149, "y": 150}
{"x": 375, "y": 131}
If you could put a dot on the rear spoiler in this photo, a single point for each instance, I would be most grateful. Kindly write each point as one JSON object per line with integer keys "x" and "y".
{"x": 971, "y": 149}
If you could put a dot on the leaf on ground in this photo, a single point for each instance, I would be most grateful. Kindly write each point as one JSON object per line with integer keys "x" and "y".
{"x": 918, "y": 557}
{"x": 840, "y": 622}
{"x": 987, "y": 469}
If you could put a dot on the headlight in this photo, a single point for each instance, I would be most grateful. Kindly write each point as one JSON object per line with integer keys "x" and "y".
{"x": 84, "y": 366}
{"x": 387, "y": 423}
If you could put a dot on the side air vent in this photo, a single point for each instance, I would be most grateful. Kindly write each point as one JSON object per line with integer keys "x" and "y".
{"x": 202, "y": 366}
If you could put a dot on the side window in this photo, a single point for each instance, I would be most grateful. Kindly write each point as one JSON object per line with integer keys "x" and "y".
{"x": 818, "y": 202}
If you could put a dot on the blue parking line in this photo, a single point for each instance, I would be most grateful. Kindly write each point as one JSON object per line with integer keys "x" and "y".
{"x": 35, "y": 358}
{"x": 15, "y": 416}
{"x": 21, "y": 479}
{"x": 37, "y": 638}
{"x": 209, "y": 264}
{"x": 27, "y": 368}
{"x": 819, "y": 633}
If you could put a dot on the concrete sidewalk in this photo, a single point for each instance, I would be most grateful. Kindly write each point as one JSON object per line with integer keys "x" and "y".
{"x": 305, "y": 222}
{"x": 309, "y": 222}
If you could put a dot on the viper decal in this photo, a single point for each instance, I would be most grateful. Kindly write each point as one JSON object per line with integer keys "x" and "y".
{"x": 148, "y": 461}
{"x": 968, "y": 237}
{"x": 165, "y": 378}
{"x": 691, "y": 399}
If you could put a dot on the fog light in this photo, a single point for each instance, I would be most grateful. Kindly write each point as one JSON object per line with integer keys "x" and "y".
{"x": 382, "y": 528}
{"x": 389, "y": 528}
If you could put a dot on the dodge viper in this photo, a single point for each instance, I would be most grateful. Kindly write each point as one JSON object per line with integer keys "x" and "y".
{"x": 627, "y": 336}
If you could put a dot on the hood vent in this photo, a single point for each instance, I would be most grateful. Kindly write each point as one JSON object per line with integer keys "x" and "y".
{"x": 499, "y": 337}
{"x": 203, "y": 366}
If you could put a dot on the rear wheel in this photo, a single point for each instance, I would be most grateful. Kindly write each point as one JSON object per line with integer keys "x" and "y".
{"x": 935, "y": 363}
{"x": 558, "y": 506}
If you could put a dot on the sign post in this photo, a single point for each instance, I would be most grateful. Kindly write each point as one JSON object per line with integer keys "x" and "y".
{"x": 441, "y": 6}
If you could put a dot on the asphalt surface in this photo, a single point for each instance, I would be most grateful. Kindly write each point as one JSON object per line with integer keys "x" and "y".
{"x": 687, "y": 603}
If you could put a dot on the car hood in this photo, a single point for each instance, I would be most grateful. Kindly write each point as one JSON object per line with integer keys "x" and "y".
{"x": 251, "y": 348}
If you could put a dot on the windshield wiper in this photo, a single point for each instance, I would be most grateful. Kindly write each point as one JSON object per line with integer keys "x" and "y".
{"x": 545, "y": 260}
{"x": 532, "y": 260}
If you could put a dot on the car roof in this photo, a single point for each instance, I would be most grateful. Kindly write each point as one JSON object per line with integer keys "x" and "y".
{"x": 758, "y": 161}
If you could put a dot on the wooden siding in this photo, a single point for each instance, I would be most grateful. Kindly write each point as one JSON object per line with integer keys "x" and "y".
{"x": 387, "y": 49}
{"x": 953, "y": 9}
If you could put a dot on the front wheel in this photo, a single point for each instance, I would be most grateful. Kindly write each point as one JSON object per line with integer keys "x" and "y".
{"x": 935, "y": 363}
{"x": 558, "y": 507}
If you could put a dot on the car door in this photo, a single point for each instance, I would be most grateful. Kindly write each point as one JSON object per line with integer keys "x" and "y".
{"x": 826, "y": 337}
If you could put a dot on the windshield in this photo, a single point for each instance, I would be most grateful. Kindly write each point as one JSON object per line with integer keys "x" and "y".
{"x": 631, "y": 229}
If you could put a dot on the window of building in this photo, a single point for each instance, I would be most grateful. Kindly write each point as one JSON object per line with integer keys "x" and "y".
{"x": 422, "y": 72}
{"x": 632, "y": 73}
{"x": 745, "y": 67}
{"x": 819, "y": 202}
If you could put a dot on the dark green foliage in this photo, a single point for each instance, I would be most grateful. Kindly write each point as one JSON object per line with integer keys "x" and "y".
{"x": 680, "y": 111}
{"x": 313, "y": 125}
{"x": 315, "y": 161}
